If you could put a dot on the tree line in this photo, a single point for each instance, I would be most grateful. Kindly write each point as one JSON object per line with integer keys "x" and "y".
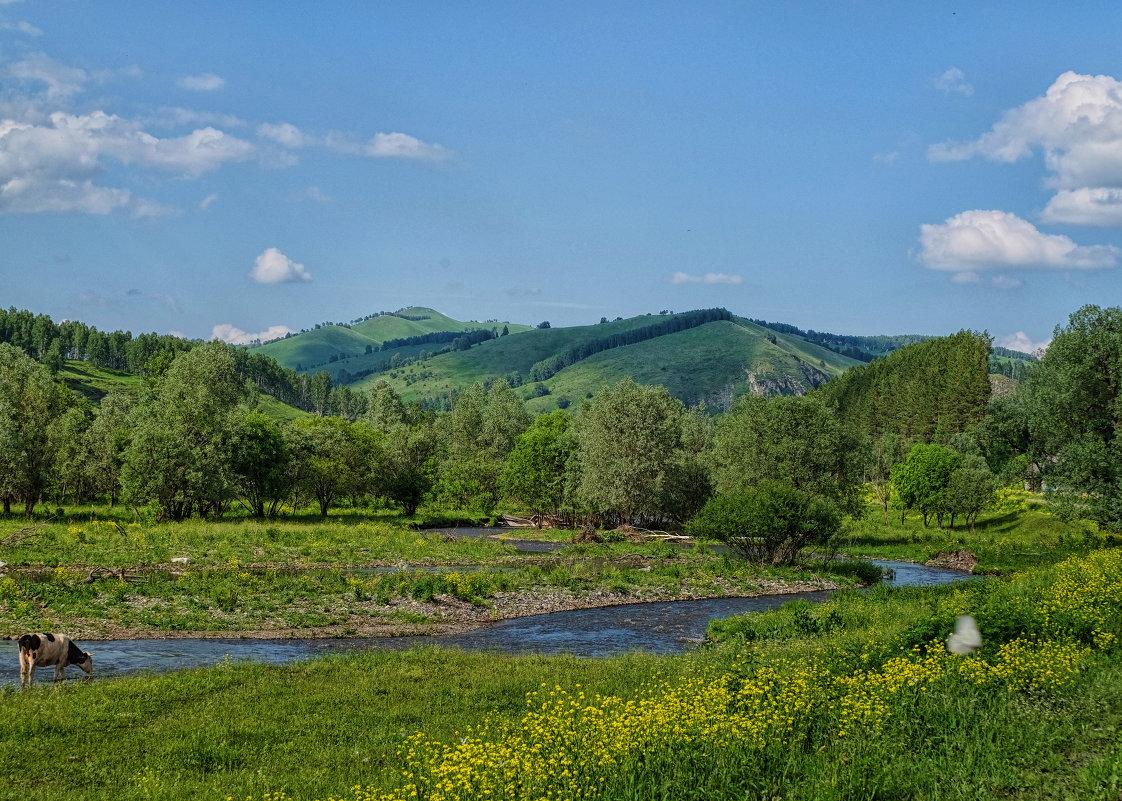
{"x": 918, "y": 431}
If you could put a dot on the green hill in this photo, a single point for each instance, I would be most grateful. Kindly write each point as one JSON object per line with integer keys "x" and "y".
{"x": 715, "y": 362}
{"x": 335, "y": 348}
{"x": 97, "y": 382}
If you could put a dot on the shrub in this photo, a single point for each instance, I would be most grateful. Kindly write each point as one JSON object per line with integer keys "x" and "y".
{"x": 769, "y": 523}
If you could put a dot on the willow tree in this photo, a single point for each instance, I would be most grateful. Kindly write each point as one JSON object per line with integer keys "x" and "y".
{"x": 179, "y": 457}
{"x": 629, "y": 437}
{"x": 30, "y": 403}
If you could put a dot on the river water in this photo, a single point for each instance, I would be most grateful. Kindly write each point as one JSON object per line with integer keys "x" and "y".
{"x": 662, "y": 627}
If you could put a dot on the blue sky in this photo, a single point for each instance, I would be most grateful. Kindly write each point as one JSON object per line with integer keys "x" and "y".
{"x": 234, "y": 169}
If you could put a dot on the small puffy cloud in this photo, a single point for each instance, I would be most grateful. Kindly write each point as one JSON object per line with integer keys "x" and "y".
{"x": 273, "y": 267}
{"x": 708, "y": 278}
{"x": 404, "y": 146}
{"x": 1021, "y": 341}
{"x": 953, "y": 81}
{"x": 207, "y": 201}
{"x": 984, "y": 240}
{"x": 886, "y": 159}
{"x": 283, "y": 133}
{"x": 207, "y": 82}
{"x": 236, "y": 336}
{"x": 1086, "y": 206}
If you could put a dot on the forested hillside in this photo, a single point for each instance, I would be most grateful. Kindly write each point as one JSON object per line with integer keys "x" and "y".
{"x": 924, "y": 392}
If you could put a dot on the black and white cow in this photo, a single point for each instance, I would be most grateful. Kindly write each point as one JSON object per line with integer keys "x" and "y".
{"x": 50, "y": 649}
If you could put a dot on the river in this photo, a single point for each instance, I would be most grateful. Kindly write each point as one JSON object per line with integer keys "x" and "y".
{"x": 662, "y": 627}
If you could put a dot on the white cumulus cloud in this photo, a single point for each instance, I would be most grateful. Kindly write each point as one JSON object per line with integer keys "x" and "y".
{"x": 53, "y": 165}
{"x": 1077, "y": 125}
{"x": 207, "y": 82}
{"x": 235, "y": 336}
{"x": 1100, "y": 206}
{"x": 273, "y": 267}
{"x": 985, "y": 240}
{"x": 708, "y": 278}
{"x": 284, "y": 133}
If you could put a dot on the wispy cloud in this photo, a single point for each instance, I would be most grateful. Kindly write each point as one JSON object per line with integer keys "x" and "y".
{"x": 273, "y": 267}
{"x": 953, "y": 81}
{"x": 381, "y": 145}
{"x": 708, "y": 278}
{"x": 207, "y": 82}
{"x": 25, "y": 28}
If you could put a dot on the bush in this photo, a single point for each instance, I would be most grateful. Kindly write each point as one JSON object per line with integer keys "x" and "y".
{"x": 769, "y": 523}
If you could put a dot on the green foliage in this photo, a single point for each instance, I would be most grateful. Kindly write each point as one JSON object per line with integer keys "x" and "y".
{"x": 922, "y": 481}
{"x": 535, "y": 472}
{"x": 182, "y": 434}
{"x": 925, "y": 392}
{"x": 769, "y": 523}
{"x": 31, "y": 403}
{"x": 628, "y": 437}
{"x": 797, "y": 440}
{"x": 1074, "y": 400}
{"x": 260, "y": 463}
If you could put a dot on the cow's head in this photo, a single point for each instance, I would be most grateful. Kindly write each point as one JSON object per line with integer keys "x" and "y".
{"x": 86, "y": 664}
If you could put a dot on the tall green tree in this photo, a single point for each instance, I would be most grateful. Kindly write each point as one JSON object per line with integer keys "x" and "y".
{"x": 535, "y": 470}
{"x": 797, "y": 440}
{"x": 922, "y": 480}
{"x": 408, "y": 468}
{"x": 1075, "y": 416}
{"x": 106, "y": 441}
{"x": 259, "y": 461}
{"x": 629, "y": 436}
{"x": 179, "y": 453}
{"x": 30, "y": 402}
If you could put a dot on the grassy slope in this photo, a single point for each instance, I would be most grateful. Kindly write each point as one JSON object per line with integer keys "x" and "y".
{"x": 315, "y": 347}
{"x": 698, "y": 364}
{"x": 95, "y": 383}
{"x": 695, "y": 364}
{"x": 497, "y": 357}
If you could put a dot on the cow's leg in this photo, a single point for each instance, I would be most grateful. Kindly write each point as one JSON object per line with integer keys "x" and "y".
{"x": 23, "y": 665}
{"x": 60, "y": 671}
{"x": 30, "y": 670}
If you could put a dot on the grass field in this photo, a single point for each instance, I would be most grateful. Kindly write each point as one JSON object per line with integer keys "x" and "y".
{"x": 850, "y": 712}
{"x": 1019, "y": 533}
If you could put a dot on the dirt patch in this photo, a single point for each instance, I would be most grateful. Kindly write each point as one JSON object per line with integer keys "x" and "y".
{"x": 961, "y": 559}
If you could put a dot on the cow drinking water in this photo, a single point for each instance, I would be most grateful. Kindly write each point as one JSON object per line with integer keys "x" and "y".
{"x": 50, "y": 649}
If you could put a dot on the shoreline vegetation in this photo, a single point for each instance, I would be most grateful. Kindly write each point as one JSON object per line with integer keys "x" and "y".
{"x": 825, "y": 692}
{"x": 104, "y": 579}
